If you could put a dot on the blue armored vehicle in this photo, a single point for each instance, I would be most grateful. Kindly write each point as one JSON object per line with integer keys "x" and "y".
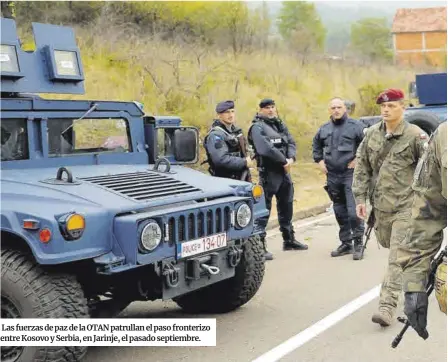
{"x": 430, "y": 90}
{"x": 97, "y": 210}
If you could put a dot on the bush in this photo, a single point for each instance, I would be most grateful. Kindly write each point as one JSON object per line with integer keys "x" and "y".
{"x": 368, "y": 94}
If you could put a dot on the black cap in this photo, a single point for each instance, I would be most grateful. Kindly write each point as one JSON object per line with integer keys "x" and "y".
{"x": 224, "y": 106}
{"x": 266, "y": 102}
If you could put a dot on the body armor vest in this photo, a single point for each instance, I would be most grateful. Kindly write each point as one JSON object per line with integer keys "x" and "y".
{"x": 233, "y": 145}
{"x": 279, "y": 139}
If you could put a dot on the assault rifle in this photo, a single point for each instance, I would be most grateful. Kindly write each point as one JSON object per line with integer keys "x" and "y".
{"x": 244, "y": 151}
{"x": 370, "y": 225}
{"x": 429, "y": 288}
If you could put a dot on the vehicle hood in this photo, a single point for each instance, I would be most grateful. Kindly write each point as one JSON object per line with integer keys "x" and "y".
{"x": 116, "y": 187}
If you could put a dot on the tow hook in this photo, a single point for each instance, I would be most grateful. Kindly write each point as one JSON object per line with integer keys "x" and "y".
{"x": 171, "y": 274}
{"x": 234, "y": 256}
{"x": 212, "y": 270}
{"x": 202, "y": 265}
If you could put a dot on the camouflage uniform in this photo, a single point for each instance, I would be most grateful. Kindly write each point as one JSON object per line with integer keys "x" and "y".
{"x": 428, "y": 215}
{"x": 392, "y": 197}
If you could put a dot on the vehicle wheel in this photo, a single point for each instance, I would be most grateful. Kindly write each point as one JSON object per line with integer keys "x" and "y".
{"x": 427, "y": 121}
{"x": 232, "y": 293}
{"x": 27, "y": 291}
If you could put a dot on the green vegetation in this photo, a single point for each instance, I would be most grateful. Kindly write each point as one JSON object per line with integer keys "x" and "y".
{"x": 182, "y": 58}
{"x": 188, "y": 81}
{"x": 93, "y": 133}
{"x": 300, "y": 26}
{"x": 372, "y": 38}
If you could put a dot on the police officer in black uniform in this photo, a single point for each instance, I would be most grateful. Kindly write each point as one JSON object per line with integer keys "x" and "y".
{"x": 275, "y": 151}
{"x": 334, "y": 149}
{"x": 223, "y": 145}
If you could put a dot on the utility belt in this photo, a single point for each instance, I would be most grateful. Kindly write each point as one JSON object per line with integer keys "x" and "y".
{"x": 224, "y": 173}
{"x": 267, "y": 166}
{"x": 265, "y": 171}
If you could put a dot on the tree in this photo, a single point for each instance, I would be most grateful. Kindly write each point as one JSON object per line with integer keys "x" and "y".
{"x": 300, "y": 25}
{"x": 7, "y": 8}
{"x": 259, "y": 27}
{"x": 235, "y": 20}
{"x": 371, "y": 37}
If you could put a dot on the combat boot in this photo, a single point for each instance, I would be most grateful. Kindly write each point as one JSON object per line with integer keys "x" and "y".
{"x": 267, "y": 254}
{"x": 383, "y": 317}
{"x": 290, "y": 242}
{"x": 343, "y": 249}
{"x": 357, "y": 246}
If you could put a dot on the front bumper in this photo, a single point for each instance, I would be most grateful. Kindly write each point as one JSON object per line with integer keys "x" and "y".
{"x": 184, "y": 276}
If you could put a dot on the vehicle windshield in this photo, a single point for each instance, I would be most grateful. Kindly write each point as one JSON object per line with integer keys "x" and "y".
{"x": 68, "y": 136}
{"x": 14, "y": 140}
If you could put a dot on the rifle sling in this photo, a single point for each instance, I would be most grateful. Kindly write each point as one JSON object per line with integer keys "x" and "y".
{"x": 384, "y": 152}
{"x": 371, "y": 220}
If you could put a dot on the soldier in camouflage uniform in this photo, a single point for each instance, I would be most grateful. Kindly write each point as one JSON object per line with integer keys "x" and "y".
{"x": 426, "y": 236}
{"x": 400, "y": 145}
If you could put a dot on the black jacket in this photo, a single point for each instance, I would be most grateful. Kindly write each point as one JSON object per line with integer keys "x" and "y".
{"x": 223, "y": 151}
{"x": 272, "y": 143}
{"x": 336, "y": 143}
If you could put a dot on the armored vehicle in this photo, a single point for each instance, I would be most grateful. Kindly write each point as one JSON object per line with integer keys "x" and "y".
{"x": 98, "y": 208}
{"x": 430, "y": 90}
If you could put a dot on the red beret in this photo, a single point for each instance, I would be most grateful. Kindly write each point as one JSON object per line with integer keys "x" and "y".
{"x": 390, "y": 95}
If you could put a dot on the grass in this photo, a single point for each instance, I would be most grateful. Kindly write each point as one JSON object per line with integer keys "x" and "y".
{"x": 187, "y": 81}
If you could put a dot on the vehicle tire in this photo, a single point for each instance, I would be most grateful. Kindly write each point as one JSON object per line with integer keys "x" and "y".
{"x": 28, "y": 291}
{"x": 427, "y": 121}
{"x": 232, "y": 293}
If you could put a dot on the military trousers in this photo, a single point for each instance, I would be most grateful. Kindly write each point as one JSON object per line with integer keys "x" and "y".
{"x": 281, "y": 186}
{"x": 344, "y": 206}
{"x": 424, "y": 239}
{"x": 391, "y": 230}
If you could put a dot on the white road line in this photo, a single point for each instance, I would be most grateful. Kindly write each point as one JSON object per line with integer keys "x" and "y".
{"x": 301, "y": 338}
{"x": 298, "y": 226}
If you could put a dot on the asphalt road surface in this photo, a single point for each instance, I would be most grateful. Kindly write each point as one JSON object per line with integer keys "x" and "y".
{"x": 322, "y": 305}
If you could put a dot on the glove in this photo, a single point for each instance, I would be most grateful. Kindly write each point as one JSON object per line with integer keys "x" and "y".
{"x": 416, "y": 310}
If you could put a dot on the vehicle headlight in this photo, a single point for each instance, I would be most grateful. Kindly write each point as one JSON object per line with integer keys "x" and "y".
{"x": 151, "y": 236}
{"x": 257, "y": 192}
{"x": 243, "y": 215}
{"x": 72, "y": 226}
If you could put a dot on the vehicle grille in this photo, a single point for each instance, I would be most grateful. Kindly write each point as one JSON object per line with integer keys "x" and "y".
{"x": 196, "y": 225}
{"x": 143, "y": 185}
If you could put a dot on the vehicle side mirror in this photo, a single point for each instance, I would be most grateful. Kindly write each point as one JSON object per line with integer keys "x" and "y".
{"x": 186, "y": 145}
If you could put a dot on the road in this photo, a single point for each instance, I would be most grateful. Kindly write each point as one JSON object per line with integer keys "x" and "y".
{"x": 300, "y": 289}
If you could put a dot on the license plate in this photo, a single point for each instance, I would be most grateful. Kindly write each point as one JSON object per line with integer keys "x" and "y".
{"x": 202, "y": 245}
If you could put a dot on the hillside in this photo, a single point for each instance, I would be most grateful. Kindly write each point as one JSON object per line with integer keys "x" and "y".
{"x": 179, "y": 75}
{"x": 189, "y": 81}
{"x": 174, "y": 80}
